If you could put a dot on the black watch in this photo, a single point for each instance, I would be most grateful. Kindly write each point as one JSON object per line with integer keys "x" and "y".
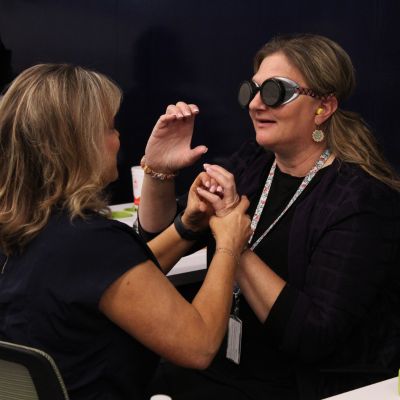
{"x": 185, "y": 233}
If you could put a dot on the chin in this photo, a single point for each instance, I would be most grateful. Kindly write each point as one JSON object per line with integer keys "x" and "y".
{"x": 266, "y": 141}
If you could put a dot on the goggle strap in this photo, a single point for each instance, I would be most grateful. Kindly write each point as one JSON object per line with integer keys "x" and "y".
{"x": 310, "y": 92}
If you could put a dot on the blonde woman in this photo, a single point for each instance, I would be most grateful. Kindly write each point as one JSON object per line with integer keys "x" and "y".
{"x": 73, "y": 282}
{"x": 318, "y": 291}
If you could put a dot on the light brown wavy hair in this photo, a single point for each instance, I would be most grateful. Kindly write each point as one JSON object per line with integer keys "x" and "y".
{"x": 327, "y": 69}
{"x": 53, "y": 120}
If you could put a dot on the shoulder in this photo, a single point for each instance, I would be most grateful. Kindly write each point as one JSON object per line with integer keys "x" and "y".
{"x": 93, "y": 235}
{"x": 348, "y": 189}
{"x": 91, "y": 226}
{"x": 92, "y": 250}
{"x": 355, "y": 184}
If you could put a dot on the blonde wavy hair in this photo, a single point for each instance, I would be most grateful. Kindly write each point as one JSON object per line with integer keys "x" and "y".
{"x": 327, "y": 69}
{"x": 53, "y": 120}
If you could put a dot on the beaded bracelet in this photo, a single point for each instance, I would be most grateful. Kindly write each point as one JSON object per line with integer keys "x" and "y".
{"x": 154, "y": 174}
{"x": 228, "y": 251}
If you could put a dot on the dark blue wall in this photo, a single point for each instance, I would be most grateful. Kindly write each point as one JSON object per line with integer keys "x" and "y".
{"x": 161, "y": 52}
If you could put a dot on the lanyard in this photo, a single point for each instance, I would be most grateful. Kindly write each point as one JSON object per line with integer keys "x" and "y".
{"x": 264, "y": 195}
{"x": 263, "y": 199}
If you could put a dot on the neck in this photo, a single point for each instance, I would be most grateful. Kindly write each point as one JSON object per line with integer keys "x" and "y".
{"x": 301, "y": 163}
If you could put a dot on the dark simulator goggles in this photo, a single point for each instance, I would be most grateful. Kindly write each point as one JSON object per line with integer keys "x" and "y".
{"x": 274, "y": 92}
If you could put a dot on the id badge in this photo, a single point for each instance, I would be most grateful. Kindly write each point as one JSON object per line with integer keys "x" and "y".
{"x": 233, "y": 348}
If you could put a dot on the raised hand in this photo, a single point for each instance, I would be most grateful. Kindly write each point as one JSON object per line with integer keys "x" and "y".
{"x": 168, "y": 148}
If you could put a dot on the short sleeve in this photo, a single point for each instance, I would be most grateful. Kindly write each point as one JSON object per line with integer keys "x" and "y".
{"x": 87, "y": 256}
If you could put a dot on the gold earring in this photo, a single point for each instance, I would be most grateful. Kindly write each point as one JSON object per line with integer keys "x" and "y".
{"x": 319, "y": 111}
{"x": 318, "y": 135}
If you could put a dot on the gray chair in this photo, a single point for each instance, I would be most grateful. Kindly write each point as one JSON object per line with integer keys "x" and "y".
{"x": 27, "y": 373}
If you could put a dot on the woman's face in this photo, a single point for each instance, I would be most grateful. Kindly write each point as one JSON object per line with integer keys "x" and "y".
{"x": 286, "y": 128}
{"x": 111, "y": 147}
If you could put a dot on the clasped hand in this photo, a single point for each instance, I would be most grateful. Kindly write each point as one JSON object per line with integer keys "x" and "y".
{"x": 211, "y": 201}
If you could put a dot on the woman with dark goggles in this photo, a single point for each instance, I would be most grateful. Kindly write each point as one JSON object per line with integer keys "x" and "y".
{"x": 323, "y": 264}
{"x": 274, "y": 92}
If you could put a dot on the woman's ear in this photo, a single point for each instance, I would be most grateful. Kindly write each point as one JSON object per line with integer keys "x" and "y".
{"x": 326, "y": 108}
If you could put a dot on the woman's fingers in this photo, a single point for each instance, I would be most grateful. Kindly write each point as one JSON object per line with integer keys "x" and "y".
{"x": 194, "y": 108}
{"x": 218, "y": 188}
{"x": 225, "y": 187}
{"x": 223, "y": 177}
{"x": 212, "y": 198}
{"x": 187, "y": 109}
{"x": 182, "y": 110}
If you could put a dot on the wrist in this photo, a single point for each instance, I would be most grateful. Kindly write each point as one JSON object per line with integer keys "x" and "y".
{"x": 184, "y": 230}
{"x": 228, "y": 251}
{"x": 231, "y": 244}
{"x": 193, "y": 222}
{"x": 160, "y": 175}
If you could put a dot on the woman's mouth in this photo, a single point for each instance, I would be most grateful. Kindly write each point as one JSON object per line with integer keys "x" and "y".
{"x": 264, "y": 122}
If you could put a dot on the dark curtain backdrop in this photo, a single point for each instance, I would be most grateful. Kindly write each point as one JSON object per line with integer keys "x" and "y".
{"x": 161, "y": 52}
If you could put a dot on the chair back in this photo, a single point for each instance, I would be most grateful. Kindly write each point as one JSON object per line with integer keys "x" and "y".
{"x": 27, "y": 373}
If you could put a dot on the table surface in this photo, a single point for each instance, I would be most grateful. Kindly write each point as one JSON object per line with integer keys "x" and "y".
{"x": 191, "y": 263}
{"x": 385, "y": 390}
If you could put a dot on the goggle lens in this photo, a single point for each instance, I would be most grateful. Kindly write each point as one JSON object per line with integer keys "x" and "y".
{"x": 247, "y": 91}
{"x": 272, "y": 92}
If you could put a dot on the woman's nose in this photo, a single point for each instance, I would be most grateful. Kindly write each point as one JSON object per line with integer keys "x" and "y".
{"x": 256, "y": 102}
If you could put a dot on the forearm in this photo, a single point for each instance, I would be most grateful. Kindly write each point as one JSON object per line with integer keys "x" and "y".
{"x": 160, "y": 318}
{"x": 168, "y": 247}
{"x": 213, "y": 302}
{"x": 157, "y": 204}
{"x": 258, "y": 283}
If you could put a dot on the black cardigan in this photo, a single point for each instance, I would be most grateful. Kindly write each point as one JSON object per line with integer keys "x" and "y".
{"x": 338, "y": 315}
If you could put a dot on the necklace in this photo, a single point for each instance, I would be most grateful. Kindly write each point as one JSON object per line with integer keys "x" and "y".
{"x": 4, "y": 265}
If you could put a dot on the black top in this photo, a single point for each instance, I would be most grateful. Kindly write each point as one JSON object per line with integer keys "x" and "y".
{"x": 273, "y": 250}
{"x": 343, "y": 277}
{"x": 49, "y": 299}
{"x": 336, "y": 322}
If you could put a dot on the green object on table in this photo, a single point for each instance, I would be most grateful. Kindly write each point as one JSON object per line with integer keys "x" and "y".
{"x": 121, "y": 214}
{"x": 131, "y": 209}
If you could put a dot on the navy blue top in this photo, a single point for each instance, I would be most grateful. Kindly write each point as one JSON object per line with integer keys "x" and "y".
{"x": 49, "y": 298}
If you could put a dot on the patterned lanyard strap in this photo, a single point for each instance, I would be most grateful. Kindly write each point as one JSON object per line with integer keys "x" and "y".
{"x": 263, "y": 199}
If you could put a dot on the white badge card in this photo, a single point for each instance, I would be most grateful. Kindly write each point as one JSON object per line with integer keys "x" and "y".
{"x": 233, "y": 348}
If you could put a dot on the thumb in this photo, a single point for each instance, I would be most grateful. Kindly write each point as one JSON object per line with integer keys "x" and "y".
{"x": 244, "y": 203}
{"x": 196, "y": 153}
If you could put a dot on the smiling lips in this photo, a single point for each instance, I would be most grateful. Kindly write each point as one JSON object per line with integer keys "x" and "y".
{"x": 264, "y": 122}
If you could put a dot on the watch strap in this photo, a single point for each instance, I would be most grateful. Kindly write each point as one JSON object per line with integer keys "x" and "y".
{"x": 186, "y": 233}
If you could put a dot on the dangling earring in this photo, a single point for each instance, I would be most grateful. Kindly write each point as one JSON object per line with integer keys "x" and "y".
{"x": 318, "y": 135}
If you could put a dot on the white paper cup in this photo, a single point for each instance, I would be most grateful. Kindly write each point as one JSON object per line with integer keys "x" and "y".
{"x": 160, "y": 397}
{"x": 137, "y": 181}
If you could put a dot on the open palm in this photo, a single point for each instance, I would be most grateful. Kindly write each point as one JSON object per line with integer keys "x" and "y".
{"x": 168, "y": 148}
